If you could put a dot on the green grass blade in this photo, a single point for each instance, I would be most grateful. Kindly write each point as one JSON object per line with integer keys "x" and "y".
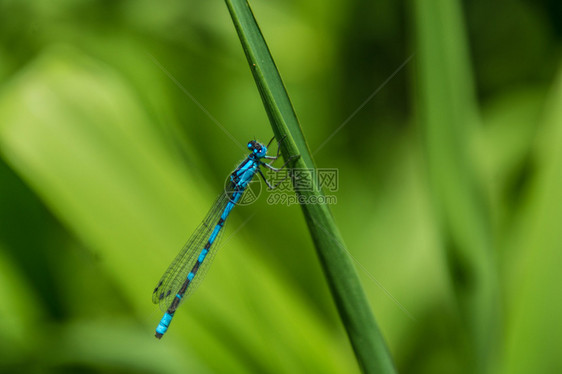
{"x": 364, "y": 334}
{"x": 534, "y": 305}
{"x": 450, "y": 119}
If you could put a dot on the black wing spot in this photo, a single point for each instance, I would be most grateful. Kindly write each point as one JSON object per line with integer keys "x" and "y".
{"x": 157, "y": 287}
{"x": 169, "y": 292}
{"x": 161, "y": 296}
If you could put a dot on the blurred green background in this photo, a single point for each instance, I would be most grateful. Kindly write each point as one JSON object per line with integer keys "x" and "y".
{"x": 449, "y": 192}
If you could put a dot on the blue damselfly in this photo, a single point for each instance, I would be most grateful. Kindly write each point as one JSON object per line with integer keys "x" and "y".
{"x": 189, "y": 267}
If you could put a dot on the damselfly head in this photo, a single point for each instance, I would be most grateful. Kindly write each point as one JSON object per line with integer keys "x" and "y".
{"x": 257, "y": 148}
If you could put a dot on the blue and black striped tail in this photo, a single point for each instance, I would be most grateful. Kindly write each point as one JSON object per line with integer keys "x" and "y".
{"x": 163, "y": 325}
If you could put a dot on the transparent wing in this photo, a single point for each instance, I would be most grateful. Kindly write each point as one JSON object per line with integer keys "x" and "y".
{"x": 176, "y": 274}
{"x": 205, "y": 265}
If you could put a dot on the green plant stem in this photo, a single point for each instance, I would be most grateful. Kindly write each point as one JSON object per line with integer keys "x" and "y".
{"x": 366, "y": 339}
{"x": 450, "y": 120}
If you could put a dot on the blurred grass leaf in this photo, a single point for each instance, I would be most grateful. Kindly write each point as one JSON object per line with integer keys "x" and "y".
{"x": 74, "y": 132}
{"x": 534, "y": 303}
{"x": 18, "y": 316}
{"x": 450, "y": 124}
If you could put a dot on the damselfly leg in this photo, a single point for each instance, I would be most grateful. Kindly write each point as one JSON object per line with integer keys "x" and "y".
{"x": 277, "y": 170}
{"x": 274, "y": 158}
